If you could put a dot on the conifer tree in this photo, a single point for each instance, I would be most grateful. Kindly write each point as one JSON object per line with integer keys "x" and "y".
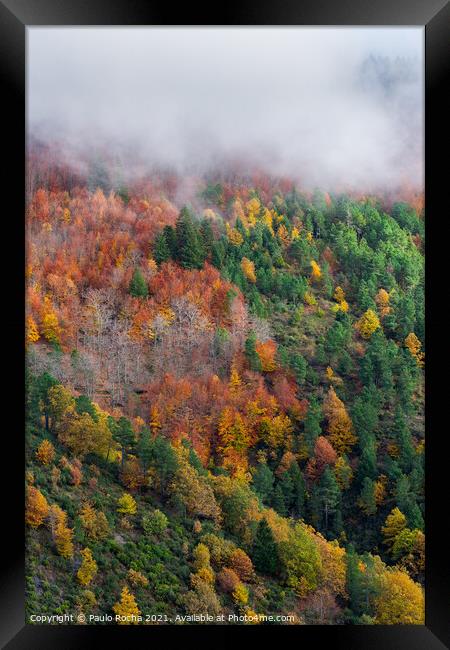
{"x": 312, "y": 429}
{"x": 251, "y": 354}
{"x": 161, "y": 251}
{"x": 164, "y": 461}
{"x": 367, "y": 500}
{"x": 265, "y": 551}
{"x": 278, "y": 501}
{"x": 329, "y": 496}
{"x": 145, "y": 447}
{"x": 171, "y": 240}
{"x": 263, "y": 482}
{"x": 404, "y": 442}
{"x": 123, "y": 434}
{"x": 138, "y": 286}
{"x": 207, "y": 236}
{"x": 299, "y": 490}
{"x": 190, "y": 252}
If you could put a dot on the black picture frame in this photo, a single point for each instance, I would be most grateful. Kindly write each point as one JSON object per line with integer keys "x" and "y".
{"x": 15, "y": 16}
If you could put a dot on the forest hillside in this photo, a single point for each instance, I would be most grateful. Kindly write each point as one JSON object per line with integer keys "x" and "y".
{"x": 225, "y": 400}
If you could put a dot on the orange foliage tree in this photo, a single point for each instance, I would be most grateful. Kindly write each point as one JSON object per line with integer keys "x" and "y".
{"x": 36, "y": 507}
{"x": 266, "y": 353}
{"x": 45, "y": 453}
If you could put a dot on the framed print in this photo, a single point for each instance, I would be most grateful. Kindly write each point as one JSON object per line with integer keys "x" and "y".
{"x": 227, "y": 323}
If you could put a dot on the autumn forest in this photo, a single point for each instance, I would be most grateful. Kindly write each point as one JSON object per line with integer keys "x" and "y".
{"x": 225, "y": 398}
{"x": 224, "y": 326}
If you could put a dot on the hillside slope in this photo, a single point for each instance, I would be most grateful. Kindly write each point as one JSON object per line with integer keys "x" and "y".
{"x": 225, "y": 405}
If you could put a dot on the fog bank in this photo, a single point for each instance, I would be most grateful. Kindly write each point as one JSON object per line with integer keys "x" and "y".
{"x": 331, "y": 107}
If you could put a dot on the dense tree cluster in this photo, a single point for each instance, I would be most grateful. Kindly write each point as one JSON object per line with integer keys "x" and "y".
{"x": 224, "y": 400}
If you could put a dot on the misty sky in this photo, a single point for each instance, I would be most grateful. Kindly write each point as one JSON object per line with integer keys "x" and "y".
{"x": 307, "y": 102}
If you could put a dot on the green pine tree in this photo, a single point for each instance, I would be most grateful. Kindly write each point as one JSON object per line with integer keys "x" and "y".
{"x": 84, "y": 405}
{"x": 251, "y": 354}
{"x": 38, "y": 400}
{"x": 312, "y": 429}
{"x": 207, "y": 236}
{"x": 138, "y": 286}
{"x": 161, "y": 251}
{"x": 145, "y": 447}
{"x": 164, "y": 462}
{"x": 190, "y": 252}
{"x": 265, "y": 551}
{"x": 123, "y": 434}
{"x": 278, "y": 500}
{"x": 171, "y": 240}
{"x": 329, "y": 497}
{"x": 299, "y": 490}
{"x": 367, "y": 497}
{"x": 263, "y": 482}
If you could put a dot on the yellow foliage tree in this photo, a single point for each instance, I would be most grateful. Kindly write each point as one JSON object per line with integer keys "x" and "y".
{"x": 94, "y": 523}
{"x": 232, "y": 430}
{"x": 343, "y": 473}
{"x": 367, "y": 324}
{"x": 56, "y": 515}
{"x": 340, "y": 425}
{"x": 194, "y": 490}
{"x": 240, "y": 595}
{"x": 63, "y": 540}
{"x": 36, "y": 507}
{"x": 155, "y": 419}
{"x": 382, "y": 300}
{"x": 234, "y": 236}
{"x": 333, "y": 575}
{"x": 45, "y": 453}
{"x": 276, "y": 431}
{"x": 50, "y": 324}
{"x": 61, "y": 403}
{"x": 380, "y": 489}
{"x": 88, "y": 567}
{"x": 126, "y": 609}
{"x": 79, "y": 433}
{"x": 248, "y": 269}
{"x": 283, "y": 235}
{"x": 400, "y": 600}
{"x": 32, "y": 334}
{"x": 309, "y": 299}
{"x": 414, "y": 346}
{"x": 267, "y": 219}
{"x": 339, "y": 294}
{"x": 126, "y": 504}
{"x": 316, "y": 272}
{"x": 235, "y": 381}
{"x": 393, "y": 526}
{"x": 201, "y": 557}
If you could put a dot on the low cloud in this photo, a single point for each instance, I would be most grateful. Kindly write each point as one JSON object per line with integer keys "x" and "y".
{"x": 329, "y": 107}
